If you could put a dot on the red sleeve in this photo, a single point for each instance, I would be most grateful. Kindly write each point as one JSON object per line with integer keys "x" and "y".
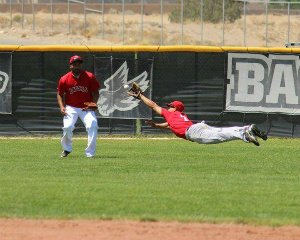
{"x": 164, "y": 113}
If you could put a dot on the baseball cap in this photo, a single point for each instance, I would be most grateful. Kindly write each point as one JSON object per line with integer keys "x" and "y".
{"x": 75, "y": 58}
{"x": 176, "y": 104}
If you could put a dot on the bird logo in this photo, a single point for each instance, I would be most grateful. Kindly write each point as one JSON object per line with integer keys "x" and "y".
{"x": 3, "y": 81}
{"x": 114, "y": 96}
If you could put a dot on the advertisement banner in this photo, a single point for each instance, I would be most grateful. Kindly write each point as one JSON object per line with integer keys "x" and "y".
{"x": 5, "y": 83}
{"x": 263, "y": 83}
{"x": 116, "y": 76}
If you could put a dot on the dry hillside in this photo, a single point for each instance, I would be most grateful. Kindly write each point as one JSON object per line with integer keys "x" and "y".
{"x": 45, "y": 31}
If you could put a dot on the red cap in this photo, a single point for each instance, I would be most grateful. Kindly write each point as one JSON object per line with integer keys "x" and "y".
{"x": 75, "y": 58}
{"x": 176, "y": 104}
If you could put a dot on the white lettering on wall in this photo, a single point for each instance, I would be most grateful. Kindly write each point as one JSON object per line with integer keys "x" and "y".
{"x": 258, "y": 83}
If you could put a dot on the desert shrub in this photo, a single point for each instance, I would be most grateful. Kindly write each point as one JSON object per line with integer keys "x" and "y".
{"x": 212, "y": 11}
{"x": 17, "y": 18}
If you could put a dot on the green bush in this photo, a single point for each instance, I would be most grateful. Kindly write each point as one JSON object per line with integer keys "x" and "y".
{"x": 212, "y": 11}
{"x": 17, "y": 18}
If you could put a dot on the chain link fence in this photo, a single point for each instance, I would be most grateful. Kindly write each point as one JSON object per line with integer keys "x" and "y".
{"x": 148, "y": 22}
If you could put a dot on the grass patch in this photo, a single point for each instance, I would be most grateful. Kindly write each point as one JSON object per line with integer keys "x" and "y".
{"x": 144, "y": 179}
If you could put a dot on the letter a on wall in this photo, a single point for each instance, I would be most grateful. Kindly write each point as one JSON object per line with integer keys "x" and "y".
{"x": 5, "y": 83}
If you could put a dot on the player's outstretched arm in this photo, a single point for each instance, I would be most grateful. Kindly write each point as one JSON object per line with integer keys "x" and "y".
{"x": 151, "y": 104}
{"x": 136, "y": 92}
{"x": 157, "y": 125}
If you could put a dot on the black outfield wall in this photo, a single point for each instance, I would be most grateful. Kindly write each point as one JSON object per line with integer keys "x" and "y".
{"x": 195, "y": 75}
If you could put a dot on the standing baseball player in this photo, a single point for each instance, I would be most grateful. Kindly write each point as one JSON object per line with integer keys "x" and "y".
{"x": 77, "y": 95}
{"x": 202, "y": 133}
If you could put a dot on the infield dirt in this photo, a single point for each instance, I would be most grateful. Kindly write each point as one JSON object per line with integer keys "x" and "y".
{"x": 20, "y": 229}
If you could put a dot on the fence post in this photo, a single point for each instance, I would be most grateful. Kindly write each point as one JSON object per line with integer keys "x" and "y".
{"x": 182, "y": 9}
{"x": 22, "y": 14}
{"x": 223, "y": 25}
{"x": 138, "y": 122}
{"x": 84, "y": 10}
{"x": 33, "y": 15}
{"x": 102, "y": 19}
{"x": 142, "y": 21}
{"x": 289, "y": 23}
{"x": 266, "y": 24}
{"x": 51, "y": 9}
{"x": 245, "y": 26}
{"x": 123, "y": 20}
{"x": 10, "y": 11}
{"x": 201, "y": 12}
{"x": 161, "y": 22}
{"x": 69, "y": 24}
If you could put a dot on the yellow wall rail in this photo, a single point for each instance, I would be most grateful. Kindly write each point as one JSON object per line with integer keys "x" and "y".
{"x": 138, "y": 48}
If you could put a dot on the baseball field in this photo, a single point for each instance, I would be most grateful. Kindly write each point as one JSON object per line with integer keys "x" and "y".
{"x": 149, "y": 182}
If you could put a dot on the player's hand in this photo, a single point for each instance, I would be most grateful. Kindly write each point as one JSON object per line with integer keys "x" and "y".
{"x": 63, "y": 111}
{"x": 150, "y": 123}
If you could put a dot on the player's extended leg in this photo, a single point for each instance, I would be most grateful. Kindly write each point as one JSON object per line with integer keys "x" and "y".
{"x": 203, "y": 133}
{"x": 90, "y": 121}
{"x": 69, "y": 124}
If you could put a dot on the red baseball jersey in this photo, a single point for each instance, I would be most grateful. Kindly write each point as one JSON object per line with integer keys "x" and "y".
{"x": 78, "y": 91}
{"x": 178, "y": 122}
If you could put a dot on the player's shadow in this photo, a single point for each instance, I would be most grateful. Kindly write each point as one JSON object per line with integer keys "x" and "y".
{"x": 81, "y": 157}
{"x": 101, "y": 157}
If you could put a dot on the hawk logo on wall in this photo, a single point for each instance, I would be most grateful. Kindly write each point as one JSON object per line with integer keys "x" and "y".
{"x": 3, "y": 81}
{"x": 114, "y": 96}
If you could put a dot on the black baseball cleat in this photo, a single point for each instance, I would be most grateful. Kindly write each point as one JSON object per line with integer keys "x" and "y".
{"x": 250, "y": 137}
{"x": 257, "y": 132}
{"x": 65, "y": 153}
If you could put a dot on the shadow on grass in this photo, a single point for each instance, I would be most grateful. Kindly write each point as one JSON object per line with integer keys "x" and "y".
{"x": 100, "y": 157}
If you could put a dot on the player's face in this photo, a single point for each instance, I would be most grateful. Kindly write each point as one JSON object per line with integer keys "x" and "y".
{"x": 75, "y": 67}
{"x": 171, "y": 109}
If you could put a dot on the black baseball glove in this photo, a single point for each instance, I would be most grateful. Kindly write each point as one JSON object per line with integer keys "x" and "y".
{"x": 135, "y": 91}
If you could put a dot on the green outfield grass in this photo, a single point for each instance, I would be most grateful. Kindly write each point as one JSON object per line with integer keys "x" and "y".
{"x": 151, "y": 180}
